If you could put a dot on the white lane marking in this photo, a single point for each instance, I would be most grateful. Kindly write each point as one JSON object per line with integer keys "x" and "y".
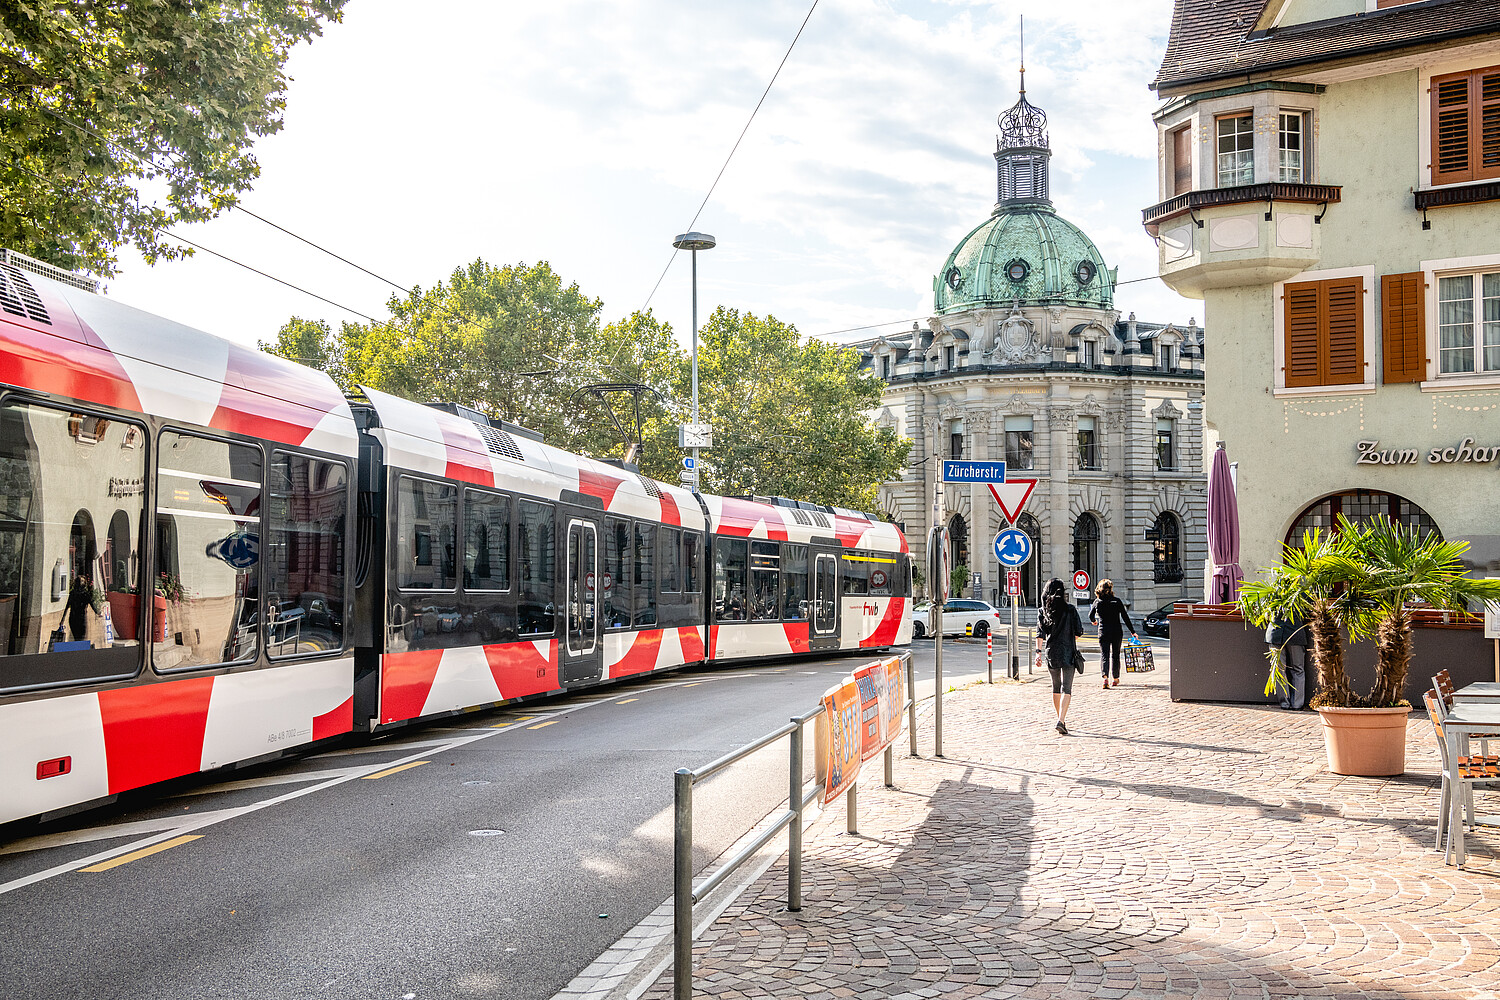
{"x": 94, "y": 833}
{"x": 270, "y": 780}
{"x": 188, "y": 825}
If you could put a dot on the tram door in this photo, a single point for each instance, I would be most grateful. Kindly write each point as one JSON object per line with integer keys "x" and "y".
{"x": 824, "y": 633}
{"x": 582, "y": 654}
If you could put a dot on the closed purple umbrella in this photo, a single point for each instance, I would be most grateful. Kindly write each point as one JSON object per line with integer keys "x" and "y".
{"x": 1223, "y": 530}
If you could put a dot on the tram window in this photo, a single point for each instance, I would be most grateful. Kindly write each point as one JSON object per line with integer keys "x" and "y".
{"x": 208, "y": 513}
{"x": 426, "y": 526}
{"x": 616, "y": 591}
{"x": 794, "y": 582}
{"x": 882, "y": 574}
{"x": 645, "y": 574}
{"x": 303, "y": 552}
{"x": 729, "y": 579}
{"x": 671, "y": 561}
{"x": 486, "y": 541}
{"x": 692, "y": 561}
{"x": 856, "y": 575}
{"x": 72, "y": 490}
{"x": 536, "y": 544}
{"x": 765, "y": 571}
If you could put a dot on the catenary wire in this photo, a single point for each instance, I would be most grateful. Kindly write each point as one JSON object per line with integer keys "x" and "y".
{"x": 732, "y": 151}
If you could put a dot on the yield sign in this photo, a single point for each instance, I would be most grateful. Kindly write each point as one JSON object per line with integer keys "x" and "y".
{"x": 1012, "y": 495}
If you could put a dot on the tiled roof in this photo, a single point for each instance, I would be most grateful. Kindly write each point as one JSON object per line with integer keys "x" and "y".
{"x": 1211, "y": 39}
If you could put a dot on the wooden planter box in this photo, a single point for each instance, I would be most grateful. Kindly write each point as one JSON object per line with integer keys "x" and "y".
{"x": 1218, "y": 656}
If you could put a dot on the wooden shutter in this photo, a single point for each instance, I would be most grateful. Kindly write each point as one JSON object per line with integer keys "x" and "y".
{"x": 1403, "y": 327}
{"x": 1466, "y": 126}
{"x": 1323, "y": 326}
{"x": 1301, "y": 329}
{"x": 1450, "y": 129}
{"x": 1182, "y": 161}
{"x": 1344, "y": 362}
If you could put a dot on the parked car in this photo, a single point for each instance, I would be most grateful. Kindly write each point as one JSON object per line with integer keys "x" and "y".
{"x": 1156, "y": 622}
{"x": 958, "y": 615}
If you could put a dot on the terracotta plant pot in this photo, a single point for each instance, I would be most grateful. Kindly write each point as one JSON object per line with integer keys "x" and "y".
{"x": 124, "y": 613}
{"x": 1367, "y": 742}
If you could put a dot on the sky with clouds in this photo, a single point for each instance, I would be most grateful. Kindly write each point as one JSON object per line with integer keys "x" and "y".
{"x": 587, "y": 133}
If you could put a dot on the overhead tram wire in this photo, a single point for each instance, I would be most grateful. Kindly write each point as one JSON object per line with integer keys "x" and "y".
{"x": 225, "y": 257}
{"x": 732, "y": 151}
{"x": 149, "y": 162}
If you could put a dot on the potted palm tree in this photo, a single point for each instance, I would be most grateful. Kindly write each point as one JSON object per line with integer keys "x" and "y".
{"x": 1366, "y": 578}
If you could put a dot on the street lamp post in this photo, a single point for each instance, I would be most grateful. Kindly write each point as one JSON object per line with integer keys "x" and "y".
{"x": 695, "y": 242}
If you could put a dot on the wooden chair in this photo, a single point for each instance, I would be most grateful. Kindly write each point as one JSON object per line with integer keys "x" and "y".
{"x": 1442, "y": 683}
{"x": 1466, "y": 772}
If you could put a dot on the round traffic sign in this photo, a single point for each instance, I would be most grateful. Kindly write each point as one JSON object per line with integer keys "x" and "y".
{"x": 1080, "y": 579}
{"x": 1012, "y": 547}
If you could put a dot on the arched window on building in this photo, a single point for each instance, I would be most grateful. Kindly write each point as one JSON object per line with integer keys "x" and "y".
{"x": 1166, "y": 551}
{"x": 958, "y": 539}
{"x": 1086, "y": 545}
{"x": 1031, "y": 585}
{"x": 1360, "y": 506}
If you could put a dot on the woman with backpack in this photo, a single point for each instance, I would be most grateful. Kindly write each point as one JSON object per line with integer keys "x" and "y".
{"x": 1109, "y": 611}
{"x": 1059, "y": 625}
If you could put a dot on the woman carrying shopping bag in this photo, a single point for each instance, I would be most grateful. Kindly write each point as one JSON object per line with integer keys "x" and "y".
{"x": 1059, "y": 625}
{"x": 1109, "y": 611}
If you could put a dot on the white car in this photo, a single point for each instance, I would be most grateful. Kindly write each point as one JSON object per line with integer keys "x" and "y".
{"x": 958, "y": 615}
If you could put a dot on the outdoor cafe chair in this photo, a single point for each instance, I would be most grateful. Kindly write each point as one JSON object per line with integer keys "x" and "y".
{"x": 1466, "y": 772}
{"x": 1442, "y": 683}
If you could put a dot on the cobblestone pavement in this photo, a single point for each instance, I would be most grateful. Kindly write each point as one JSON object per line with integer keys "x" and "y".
{"x": 1162, "y": 850}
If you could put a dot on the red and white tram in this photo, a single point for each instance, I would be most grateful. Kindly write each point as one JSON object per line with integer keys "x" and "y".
{"x": 209, "y": 556}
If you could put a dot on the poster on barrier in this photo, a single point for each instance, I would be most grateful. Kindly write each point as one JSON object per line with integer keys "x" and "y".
{"x": 870, "y": 680}
{"x": 895, "y": 698}
{"x": 838, "y": 742}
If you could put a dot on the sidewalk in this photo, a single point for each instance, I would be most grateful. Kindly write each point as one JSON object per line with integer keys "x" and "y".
{"x": 1162, "y": 850}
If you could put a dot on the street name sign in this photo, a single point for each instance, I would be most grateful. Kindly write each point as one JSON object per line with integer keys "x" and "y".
{"x": 973, "y": 472}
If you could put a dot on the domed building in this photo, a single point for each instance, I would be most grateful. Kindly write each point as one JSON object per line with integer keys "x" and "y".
{"x": 1026, "y": 360}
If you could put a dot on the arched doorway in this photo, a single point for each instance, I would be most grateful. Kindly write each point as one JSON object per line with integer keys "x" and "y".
{"x": 958, "y": 541}
{"x": 1031, "y": 569}
{"x": 1360, "y": 506}
{"x": 1166, "y": 551}
{"x": 1086, "y": 545}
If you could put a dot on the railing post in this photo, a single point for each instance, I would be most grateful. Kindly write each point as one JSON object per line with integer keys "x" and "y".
{"x": 911, "y": 702}
{"x": 851, "y": 808}
{"x": 890, "y": 766}
{"x": 682, "y": 893}
{"x": 794, "y": 834}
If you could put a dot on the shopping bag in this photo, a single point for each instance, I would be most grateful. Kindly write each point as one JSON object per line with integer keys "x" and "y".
{"x": 1138, "y": 658}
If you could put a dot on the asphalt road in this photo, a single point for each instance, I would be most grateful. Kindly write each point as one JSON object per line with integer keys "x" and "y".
{"x": 494, "y": 856}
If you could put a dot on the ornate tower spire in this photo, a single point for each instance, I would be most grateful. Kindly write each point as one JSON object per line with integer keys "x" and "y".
{"x": 1021, "y": 150}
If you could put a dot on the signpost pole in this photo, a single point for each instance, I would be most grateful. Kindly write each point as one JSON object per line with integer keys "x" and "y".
{"x": 1015, "y": 659}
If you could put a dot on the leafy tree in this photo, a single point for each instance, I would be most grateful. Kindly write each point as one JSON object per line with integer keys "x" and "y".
{"x": 97, "y": 99}
{"x": 789, "y": 415}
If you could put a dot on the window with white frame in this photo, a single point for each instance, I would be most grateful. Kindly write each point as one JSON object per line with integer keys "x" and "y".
{"x": 1468, "y": 314}
{"x": 1291, "y": 148}
{"x": 1088, "y": 443}
{"x": 1166, "y": 451}
{"x": 1236, "y": 150}
{"x": 1019, "y": 452}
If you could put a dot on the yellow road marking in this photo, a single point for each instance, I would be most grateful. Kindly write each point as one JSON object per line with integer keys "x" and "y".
{"x": 692, "y": 685}
{"x": 503, "y": 725}
{"x": 144, "y": 852}
{"x": 543, "y": 725}
{"x": 394, "y": 770}
{"x": 627, "y": 701}
{"x": 523, "y": 718}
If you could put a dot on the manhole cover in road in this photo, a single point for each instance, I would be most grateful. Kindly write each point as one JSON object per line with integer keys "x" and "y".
{"x": 476, "y": 782}
{"x": 485, "y": 833}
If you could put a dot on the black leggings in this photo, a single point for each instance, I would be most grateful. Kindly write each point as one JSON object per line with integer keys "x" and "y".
{"x": 1062, "y": 680}
{"x": 1109, "y": 651}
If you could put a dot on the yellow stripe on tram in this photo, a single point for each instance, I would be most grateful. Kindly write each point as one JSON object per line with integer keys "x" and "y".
{"x": 144, "y": 852}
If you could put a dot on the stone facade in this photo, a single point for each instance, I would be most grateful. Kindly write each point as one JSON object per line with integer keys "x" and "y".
{"x": 1026, "y": 360}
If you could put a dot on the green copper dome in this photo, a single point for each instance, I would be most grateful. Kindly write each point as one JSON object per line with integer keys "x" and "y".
{"x": 1027, "y": 252}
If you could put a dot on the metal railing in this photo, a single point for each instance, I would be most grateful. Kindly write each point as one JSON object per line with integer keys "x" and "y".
{"x": 685, "y": 894}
